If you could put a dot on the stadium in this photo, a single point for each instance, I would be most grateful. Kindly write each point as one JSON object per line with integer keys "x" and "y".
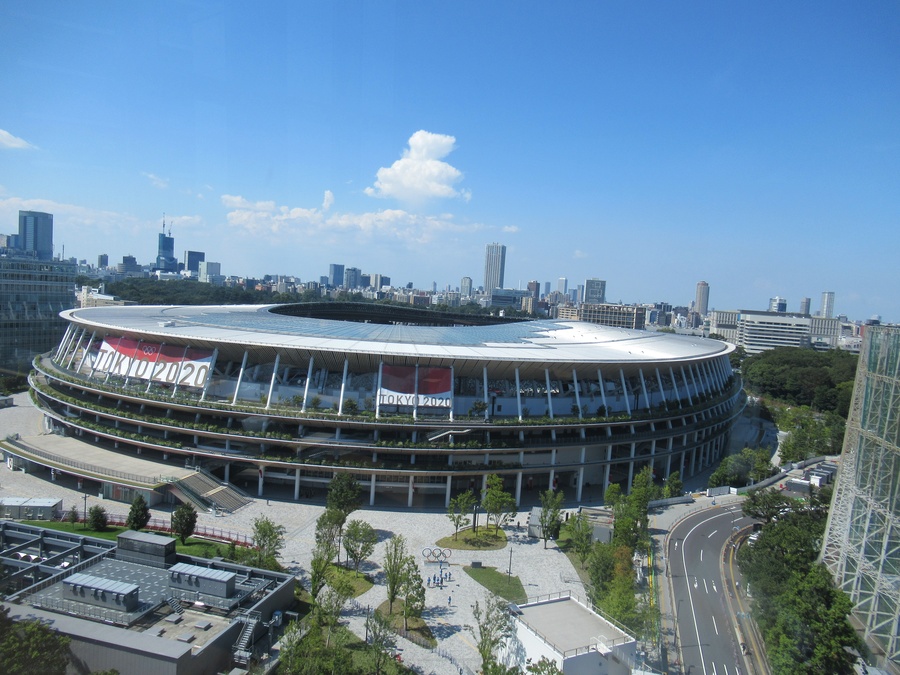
{"x": 417, "y": 405}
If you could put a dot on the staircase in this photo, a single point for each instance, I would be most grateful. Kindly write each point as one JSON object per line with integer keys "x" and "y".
{"x": 175, "y": 604}
{"x": 207, "y": 493}
{"x": 241, "y": 650}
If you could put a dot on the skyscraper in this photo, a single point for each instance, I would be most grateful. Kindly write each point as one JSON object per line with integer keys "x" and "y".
{"x": 465, "y": 287}
{"x": 102, "y": 261}
{"x": 777, "y": 304}
{"x": 335, "y": 275}
{"x": 494, "y": 266}
{"x": 804, "y": 305}
{"x": 827, "y": 304}
{"x": 352, "y": 277}
{"x": 562, "y": 285}
{"x": 701, "y": 302}
{"x": 165, "y": 256}
{"x": 192, "y": 260}
{"x": 862, "y": 537}
{"x": 36, "y": 234}
{"x": 594, "y": 291}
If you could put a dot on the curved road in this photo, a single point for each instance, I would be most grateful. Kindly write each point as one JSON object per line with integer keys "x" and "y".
{"x": 704, "y": 599}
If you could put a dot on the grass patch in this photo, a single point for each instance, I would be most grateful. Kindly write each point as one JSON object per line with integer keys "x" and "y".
{"x": 359, "y": 583}
{"x": 564, "y": 544}
{"x": 417, "y": 627}
{"x": 486, "y": 539}
{"x": 498, "y": 583}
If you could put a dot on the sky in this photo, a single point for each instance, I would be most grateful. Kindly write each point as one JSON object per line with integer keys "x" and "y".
{"x": 752, "y": 145}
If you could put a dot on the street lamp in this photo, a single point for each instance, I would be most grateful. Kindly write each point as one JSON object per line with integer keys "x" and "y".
{"x": 475, "y": 518}
{"x": 85, "y": 510}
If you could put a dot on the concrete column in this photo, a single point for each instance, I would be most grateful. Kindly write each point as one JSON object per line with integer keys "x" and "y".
{"x": 372, "y": 490}
{"x": 625, "y": 393}
{"x": 237, "y": 386}
{"x": 296, "y": 484}
{"x": 577, "y": 393}
{"x": 209, "y": 374}
{"x": 227, "y": 472}
{"x": 447, "y": 493}
{"x": 602, "y": 390}
{"x": 518, "y": 488}
{"x": 631, "y": 469}
{"x": 644, "y": 388}
{"x": 662, "y": 391}
{"x": 549, "y": 397}
{"x": 487, "y": 403}
{"x": 580, "y": 484}
{"x": 272, "y": 382}
{"x": 675, "y": 386}
{"x": 409, "y": 500}
{"x": 343, "y": 387}
{"x": 518, "y": 396}
{"x": 309, "y": 374}
{"x": 262, "y": 473}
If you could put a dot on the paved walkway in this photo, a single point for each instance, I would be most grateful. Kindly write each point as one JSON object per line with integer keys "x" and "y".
{"x": 541, "y": 571}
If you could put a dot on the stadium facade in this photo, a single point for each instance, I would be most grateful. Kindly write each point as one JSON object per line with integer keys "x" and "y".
{"x": 418, "y": 405}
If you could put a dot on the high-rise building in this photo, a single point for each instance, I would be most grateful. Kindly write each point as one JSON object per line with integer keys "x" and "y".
{"x": 594, "y": 291}
{"x": 352, "y": 277}
{"x": 165, "y": 256}
{"x": 777, "y": 304}
{"x": 494, "y": 266}
{"x": 465, "y": 287}
{"x": 562, "y": 285}
{"x": 701, "y": 302}
{"x": 827, "y": 304}
{"x": 804, "y": 305}
{"x": 36, "y": 234}
{"x": 210, "y": 272}
{"x": 335, "y": 275}
{"x": 102, "y": 261}
{"x": 32, "y": 294}
{"x": 535, "y": 288}
{"x": 546, "y": 288}
{"x": 862, "y": 538}
{"x": 192, "y": 260}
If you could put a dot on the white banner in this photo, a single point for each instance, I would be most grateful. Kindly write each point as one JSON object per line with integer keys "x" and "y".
{"x": 149, "y": 361}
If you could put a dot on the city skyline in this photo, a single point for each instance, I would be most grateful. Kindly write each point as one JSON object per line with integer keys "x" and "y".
{"x": 651, "y": 147}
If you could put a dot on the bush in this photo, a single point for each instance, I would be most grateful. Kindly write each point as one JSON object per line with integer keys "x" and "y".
{"x": 97, "y": 518}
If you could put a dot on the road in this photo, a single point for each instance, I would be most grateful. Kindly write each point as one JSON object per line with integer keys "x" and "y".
{"x": 705, "y": 606}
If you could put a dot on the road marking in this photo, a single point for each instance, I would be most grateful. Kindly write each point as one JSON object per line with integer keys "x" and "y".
{"x": 701, "y": 555}
{"x": 715, "y": 590}
{"x": 714, "y": 623}
{"x": 711, "y": 534}
{"x": 705, "y": 586}
{"x": 715, "y": 672}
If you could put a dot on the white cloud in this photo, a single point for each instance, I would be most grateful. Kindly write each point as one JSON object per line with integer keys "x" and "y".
{"x": 156, "y": 181}
{"x": 579, "y": 254}
{"x": 510, "y": 228}
{"x": 420, "y": 174}
{"x": 327, "y": 200}
{"x": 7, "y": 140}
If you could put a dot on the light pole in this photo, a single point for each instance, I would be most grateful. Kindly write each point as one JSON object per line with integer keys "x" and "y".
{"x": 85, "y": 511}
{"x": 475, "y": 518}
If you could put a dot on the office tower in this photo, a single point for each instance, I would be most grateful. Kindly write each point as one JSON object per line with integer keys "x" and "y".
{"x": 210, "y": 272}
{"x": 562, "y": 286}
{"x": 494, "y": 266}
{"x": 465, "y": 287}
{"x": 701, "y": 302}
{"x": 32, "y": 294}
{"x": 352, "y": 277}
{"x": 165, "y": 256}
{"x": 535, "y": 288}
{"x": 862, "y": 538}
{"x": 777, "y": 304}
{"x": 546, "y": 288}
{"x": 827, "y": 304}
{"x": 192, "y": 260}
{"x": 804, "y": 305}
{"x": 102, "y": 261}
{"x": 335, "y": 275}
{"x": 594, "y": 291}
{"x": 36, "y": 234}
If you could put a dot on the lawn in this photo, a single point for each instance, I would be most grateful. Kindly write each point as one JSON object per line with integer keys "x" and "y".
{"x": 486, "y": 539}
{"x": 498, "y": 583}
{"x": 359, "y": 583}
{"x": 417, "y": 627}
{"x": 564, "y": 544}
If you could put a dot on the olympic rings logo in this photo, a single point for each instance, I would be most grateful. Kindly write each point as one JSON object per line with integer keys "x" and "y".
{"x": 149, "y": 350}
{"x": 436, "y": 554}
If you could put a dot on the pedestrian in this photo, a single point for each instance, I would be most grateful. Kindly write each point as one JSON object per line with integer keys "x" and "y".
{"x": 449, "y": 600}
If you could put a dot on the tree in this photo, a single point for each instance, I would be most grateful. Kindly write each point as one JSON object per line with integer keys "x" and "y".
{"x": 292, "y": 654}
{"x": 382, "y": 639}
{"x": 29, "y": 646}
{"x": 344, "y": 495}
{"x": 493, "y": 626}
{"x": 97, "y": 518}
{"x": 411, "y": 591}
{"x": 765, "y": 505}
{"x": 72, "y": 516}
{"x": 499, "y": 505}
{"x": 674, "y": 486}
{"x": 543, "y": 667}
{"x": 394, "y": 561}
{"x": 359, "y": 542}
{"x": 268, "y": 539}
{"x": 328, "y": 527}
{"x": 138, "y": 515}
{"x": 551, "y": 502}
{"x": 184, "y": 521}
{"x": 320, "y": 566}
{"x": 459, "y": 509}
{"x": 581, "y": 534}
{"x": 601, "y": 569}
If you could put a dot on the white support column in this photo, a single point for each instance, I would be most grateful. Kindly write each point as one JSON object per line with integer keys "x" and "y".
{"x": 452, "y": 392}
{"x": 343, "y": 387}
{"x": 644, "y": 388}
{"x": 296, "y": 484}
{"x": 411, "y": 491}
{"x": 631, "y": 469}
{"x": 687, "y": 386}
{"x": 416, "y": 396}
{"x": 580, "y": 484}
{"x": 378, "y": 391}
{"x": 372, "y": 490}
{"x": 606, "y": 472}
{"x": 625, "y": 393}
{"x": 63, "y": 342}
{"x": 518, "y": 394}
{"x": 81, "y": 333}
{"x": 272, "y": 382}
{"x": 262, "y": 474}
{"x": 309, "y": 374}
{"x": 131, "y": 365}
{"x": 153, "y": 368}
{"x": 668, "y": 465}
{"x": 694, "y": 379}
{"x": 209, "y": 375}
{"x": 227, "y": 472}
{"x": 447, "y": 492}
{"x": 87, "y": 350}
{"x": 518, "y": 488}
{"x": 662, "y": 392}
{"x": 577, "y": 393}
{"x": 237, "y": 386}
{"x": 602, "y": 390}
{"x": 487, "y": 403}
{"x": 675, "y": 386}
{"x": 549, "y": 397}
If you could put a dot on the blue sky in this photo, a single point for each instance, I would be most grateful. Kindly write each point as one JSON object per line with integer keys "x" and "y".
{"x": 752, "y": 145}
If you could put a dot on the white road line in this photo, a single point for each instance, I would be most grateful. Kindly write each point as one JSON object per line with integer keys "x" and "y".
{"x": 711, "y": 534}
{"x": 707, "y": 588}
{"x": 713, "y": 617}
{"x": 701, "y": 555}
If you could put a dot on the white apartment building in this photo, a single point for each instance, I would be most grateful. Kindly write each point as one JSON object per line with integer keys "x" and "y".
{"x": 757, "y": 331}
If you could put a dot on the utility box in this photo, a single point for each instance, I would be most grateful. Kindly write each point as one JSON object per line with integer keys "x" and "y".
{"x": 205, "y": 580}
{"x": 146, "y": 549}
{"x": 101, "y": 592}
